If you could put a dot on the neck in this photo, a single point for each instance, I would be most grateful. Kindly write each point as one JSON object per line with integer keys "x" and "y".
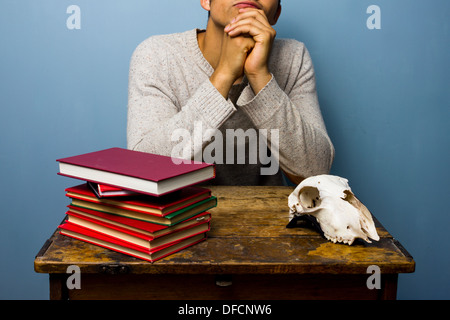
{"x": 210, "y": 43}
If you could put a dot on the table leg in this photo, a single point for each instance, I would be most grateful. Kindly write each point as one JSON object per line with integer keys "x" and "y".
{"x": 58, "y": 287}
{"x": 389, "y": 287}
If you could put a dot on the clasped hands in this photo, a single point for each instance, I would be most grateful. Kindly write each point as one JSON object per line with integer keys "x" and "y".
{"x": 246, "y": 45}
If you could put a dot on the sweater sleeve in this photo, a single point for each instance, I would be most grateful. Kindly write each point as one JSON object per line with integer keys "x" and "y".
{"x": 154, "y": 114}
{"x": 304, "y": 148}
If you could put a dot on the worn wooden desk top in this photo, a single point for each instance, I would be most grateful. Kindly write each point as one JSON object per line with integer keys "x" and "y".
{"x": 248, "y": 236}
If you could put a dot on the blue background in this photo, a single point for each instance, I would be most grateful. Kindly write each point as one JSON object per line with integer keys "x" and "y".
{"x": 384, "y": 94}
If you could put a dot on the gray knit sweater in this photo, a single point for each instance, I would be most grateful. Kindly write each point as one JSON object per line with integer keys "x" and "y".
{"x": 172, "y": 99}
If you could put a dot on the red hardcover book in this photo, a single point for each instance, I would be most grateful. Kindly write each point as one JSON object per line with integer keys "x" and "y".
{"x": 159, "y": 206}
{"x": 105, "y": 191}
{"x": 133, "y": 226}
{"x": 137, "y": 238}
{"x": 105, "y": 241}
{"x": 136, "y": 171}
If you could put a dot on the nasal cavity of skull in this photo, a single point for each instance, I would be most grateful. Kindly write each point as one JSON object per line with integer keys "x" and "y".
{"x": 309, "y": 197}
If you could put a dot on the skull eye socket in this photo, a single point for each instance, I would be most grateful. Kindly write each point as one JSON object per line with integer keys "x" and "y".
{"x": 309, "y": 197}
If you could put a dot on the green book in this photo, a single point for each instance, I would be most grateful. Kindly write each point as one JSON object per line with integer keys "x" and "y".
{"x": 168, "y": 220}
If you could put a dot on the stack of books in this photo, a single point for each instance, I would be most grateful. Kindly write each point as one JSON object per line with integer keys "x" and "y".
{"x": 144, "y": 205}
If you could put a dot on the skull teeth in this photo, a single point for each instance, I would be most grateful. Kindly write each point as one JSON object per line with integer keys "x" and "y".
{"x": 338, "y": 239}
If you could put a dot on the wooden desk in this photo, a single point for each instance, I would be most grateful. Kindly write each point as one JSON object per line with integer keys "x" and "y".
{"x": 249, "y": 254}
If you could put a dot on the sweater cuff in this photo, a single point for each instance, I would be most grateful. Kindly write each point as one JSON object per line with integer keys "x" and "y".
{"x": 262, "y": 106}
{"x": 211, "y": 105}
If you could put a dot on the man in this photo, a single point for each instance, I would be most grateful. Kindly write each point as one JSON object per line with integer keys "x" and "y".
{"x": 232, "y": 76}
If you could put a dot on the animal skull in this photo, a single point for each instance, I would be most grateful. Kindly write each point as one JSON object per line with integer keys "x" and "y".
{"x": 329, "y": 199}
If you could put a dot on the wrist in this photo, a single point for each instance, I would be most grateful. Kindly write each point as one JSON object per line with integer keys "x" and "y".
{"x": 222, "y": 82}
{"x": 259, "y": 80}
